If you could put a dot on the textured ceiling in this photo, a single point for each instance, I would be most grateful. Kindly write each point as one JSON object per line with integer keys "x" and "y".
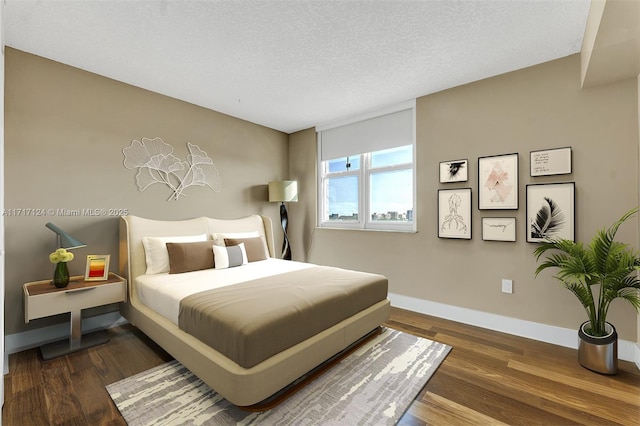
{"x": 291, "y": 65}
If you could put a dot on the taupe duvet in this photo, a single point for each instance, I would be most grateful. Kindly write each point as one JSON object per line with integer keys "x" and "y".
{"x": 252, "y": 321}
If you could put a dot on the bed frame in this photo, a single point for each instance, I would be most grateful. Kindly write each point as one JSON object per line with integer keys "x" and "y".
{"x": 240, "y": 386}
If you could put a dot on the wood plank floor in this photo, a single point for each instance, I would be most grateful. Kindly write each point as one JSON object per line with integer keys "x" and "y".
{"x": 489, "y": 378}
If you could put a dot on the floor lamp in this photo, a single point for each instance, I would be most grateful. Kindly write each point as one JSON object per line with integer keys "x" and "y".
{"x": 284, "y": 191}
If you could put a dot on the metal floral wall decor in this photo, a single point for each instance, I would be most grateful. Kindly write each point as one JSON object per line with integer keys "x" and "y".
{"x": 156, "y": 163}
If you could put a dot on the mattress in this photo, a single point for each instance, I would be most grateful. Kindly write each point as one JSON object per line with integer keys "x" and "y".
{"x": 163, "y": 292}
{"x": 252, "y": 321}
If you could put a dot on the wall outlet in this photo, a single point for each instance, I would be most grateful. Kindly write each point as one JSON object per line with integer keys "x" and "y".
{"x": 507, "y": 286}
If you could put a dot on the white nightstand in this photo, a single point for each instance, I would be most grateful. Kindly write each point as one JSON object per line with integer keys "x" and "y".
{"x": 43, "y": 299}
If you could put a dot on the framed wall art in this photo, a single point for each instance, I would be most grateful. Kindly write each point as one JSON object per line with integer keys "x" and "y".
{"x": 454, "y": 213}
{"x": 454, "y": 171}
{"x": 498, "y": 228}
{"x": 550, "y": 211}
{"x": 549, "y": 162}
{"x": 498, "y": 182}
{"x": 97, "y": 267}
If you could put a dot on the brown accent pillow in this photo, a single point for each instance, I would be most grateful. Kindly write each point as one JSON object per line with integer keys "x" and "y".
{"x": 253, "y": 246}
{"x": 187, "y": 257}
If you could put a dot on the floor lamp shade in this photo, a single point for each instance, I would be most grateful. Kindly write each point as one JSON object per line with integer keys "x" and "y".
{"x": 65, "y": 240}
{"x": 284, "y": 191}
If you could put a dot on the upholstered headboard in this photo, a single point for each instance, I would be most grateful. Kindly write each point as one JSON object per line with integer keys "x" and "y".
{"x": 134, "y": 228}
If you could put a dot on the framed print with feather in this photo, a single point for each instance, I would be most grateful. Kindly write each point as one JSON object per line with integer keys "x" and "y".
{"x": 551, "y": 211}
{"x": 454, "y": 213}
{"x": 498, "y": 182}
{"x": 454, "y": 171}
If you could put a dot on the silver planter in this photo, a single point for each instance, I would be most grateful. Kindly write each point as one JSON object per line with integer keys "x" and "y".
{"x": 599, "y": 354}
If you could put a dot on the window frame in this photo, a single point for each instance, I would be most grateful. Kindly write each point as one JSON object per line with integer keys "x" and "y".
{"x": 365, "y": 174}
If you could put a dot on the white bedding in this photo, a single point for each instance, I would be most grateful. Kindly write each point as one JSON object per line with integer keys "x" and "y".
{"x": 163, "y": 292}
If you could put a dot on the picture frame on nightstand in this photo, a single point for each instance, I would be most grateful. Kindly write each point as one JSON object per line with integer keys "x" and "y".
{"x": 97, "y": 267}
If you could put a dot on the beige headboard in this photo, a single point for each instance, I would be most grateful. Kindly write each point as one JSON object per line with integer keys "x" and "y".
{"x": 134, "y": 228}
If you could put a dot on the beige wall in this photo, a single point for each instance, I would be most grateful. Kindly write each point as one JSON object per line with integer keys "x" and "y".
{"x": 302, "y": 168}
{"x": 536, "y": 108}
{"x": 65, "y": 131}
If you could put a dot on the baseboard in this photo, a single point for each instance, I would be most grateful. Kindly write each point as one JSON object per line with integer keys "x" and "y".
{"x": 627, "y": 350}
{"x": 30, "y": 339}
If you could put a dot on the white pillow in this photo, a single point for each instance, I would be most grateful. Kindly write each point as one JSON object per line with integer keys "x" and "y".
{"x": 156, "y": 254}
{"x": 218, "y": 238}
{"x": 228, "y": 257}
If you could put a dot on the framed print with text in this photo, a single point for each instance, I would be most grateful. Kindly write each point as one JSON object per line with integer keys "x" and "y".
{"x": 498, "y": 182}
{"x": 498, "y": 228}
{"x": 550, "y": 211}
{"x": 97, "y": 267}
{"x": 454, "y": 213}
{"x": 454, "y": 171}
{"x": 549, "y": 162}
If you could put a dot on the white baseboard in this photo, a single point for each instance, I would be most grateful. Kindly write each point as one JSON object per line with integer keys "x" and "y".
{"x": 627, "y": 350}
{"x": 30, "y": 339}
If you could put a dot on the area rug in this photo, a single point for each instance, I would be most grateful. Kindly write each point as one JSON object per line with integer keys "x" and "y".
{"x": 374, "y": 385}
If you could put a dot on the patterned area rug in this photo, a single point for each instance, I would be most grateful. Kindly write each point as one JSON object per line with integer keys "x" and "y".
{"x": 373, "y": 385}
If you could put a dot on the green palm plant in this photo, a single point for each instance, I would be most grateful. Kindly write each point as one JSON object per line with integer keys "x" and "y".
{"x": 597, "y": 274}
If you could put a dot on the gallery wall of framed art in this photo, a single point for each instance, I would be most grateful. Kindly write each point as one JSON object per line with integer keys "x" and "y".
{"x": 550, "y": 205}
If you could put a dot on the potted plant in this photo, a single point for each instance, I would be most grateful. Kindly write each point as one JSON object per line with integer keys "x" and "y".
{"x": 597, "y": 274}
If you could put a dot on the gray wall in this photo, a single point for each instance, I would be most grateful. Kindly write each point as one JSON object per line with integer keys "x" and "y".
{"x": 535, "y": 108}
{"x": 65, "y": 131}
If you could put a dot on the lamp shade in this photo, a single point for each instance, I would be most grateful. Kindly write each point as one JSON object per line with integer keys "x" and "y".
{"x": 65, "y": 240}
{"x": 283, "y": 191}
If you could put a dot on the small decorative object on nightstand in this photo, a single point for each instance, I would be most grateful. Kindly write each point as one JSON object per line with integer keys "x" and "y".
{"x": 61, "y": 256}
{"x": 41, "y": 299}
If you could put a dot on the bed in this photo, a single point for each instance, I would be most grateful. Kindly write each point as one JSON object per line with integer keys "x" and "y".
{"x": 246, "y": 331}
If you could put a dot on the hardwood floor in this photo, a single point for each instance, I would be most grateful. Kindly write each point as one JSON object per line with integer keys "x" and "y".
{"x": 489, "y": 378}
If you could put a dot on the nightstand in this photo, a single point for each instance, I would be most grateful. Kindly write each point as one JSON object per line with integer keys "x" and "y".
{"x": 43, "y": 299}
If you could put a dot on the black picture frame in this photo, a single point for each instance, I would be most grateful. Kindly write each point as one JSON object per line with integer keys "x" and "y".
{"x": 454, "y": 213}
{"x": 550, "y": 211}
{"x": 454, "y": 171}
{"x": 499, "y": 229}
{"x": 551, "y": 162}
{"x": 498, "y": 182}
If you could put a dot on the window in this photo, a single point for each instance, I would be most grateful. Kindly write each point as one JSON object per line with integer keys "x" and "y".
{"x": 366, "y": 173}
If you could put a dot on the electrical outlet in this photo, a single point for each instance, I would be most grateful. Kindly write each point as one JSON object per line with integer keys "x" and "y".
{"x": 507, "y": 286}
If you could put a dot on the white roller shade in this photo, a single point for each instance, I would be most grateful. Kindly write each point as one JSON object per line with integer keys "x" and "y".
{"x": 375, "y": 134}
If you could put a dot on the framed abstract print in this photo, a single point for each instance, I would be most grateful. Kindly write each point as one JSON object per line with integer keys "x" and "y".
{"x": 498, "y": 182}
{"x": 454, "y": 171}
{"x": 97, "y": 267}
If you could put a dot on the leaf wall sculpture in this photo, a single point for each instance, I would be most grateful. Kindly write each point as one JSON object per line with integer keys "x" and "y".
{"x": 156, "y": 163}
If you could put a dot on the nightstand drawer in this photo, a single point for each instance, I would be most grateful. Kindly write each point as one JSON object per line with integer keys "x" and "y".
{"x": 75, "y": 299}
